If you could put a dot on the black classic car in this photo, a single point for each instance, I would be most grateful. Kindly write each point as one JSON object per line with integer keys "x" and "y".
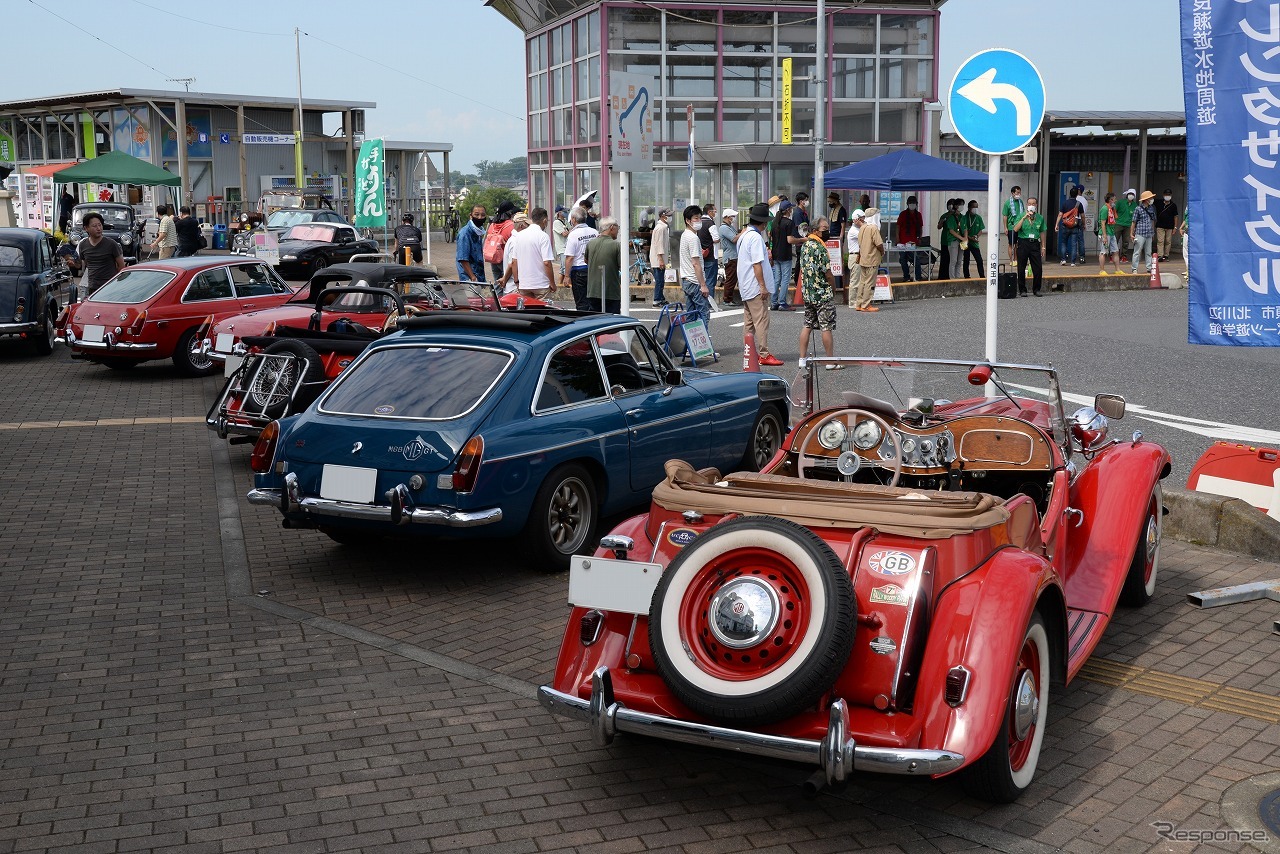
{"x": 280, "y": 222}
{"x": 119, "y": 223}
{"x": 314, "y": 246}
{"x": 31, "y": 279}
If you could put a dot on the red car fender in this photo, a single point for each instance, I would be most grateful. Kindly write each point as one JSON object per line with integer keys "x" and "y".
{"x": 979, "y": 622}
{"x": 1112, "y": 492}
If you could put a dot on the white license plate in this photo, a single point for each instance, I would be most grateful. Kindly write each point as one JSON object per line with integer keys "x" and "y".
{"x": 232, "y": 365}
{"x": 348, "y": 483}
{"x": 624, "y": 586}
{"x": 93, "y": 333}
{"x": 224, "y": 342}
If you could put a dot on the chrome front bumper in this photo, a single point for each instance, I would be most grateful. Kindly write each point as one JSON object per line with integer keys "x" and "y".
{"x": 374, "y": 512}
{"x": 836, "y": 754}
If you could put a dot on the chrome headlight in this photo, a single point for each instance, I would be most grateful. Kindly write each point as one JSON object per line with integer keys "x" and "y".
{"x": 1089, "y": 427}
{"x": 126, "y": 238}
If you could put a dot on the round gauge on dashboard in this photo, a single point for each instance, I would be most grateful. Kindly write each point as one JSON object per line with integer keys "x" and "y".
{"x": 866, "y": 435}
{"x": 832, "y": 434}
{"x": 908, "y": 445}
{"x": 926, "y": 447}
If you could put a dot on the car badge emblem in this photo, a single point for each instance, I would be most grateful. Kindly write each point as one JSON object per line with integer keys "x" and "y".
{"x": 416, "y": 448}
{"x": 385, "y": 409}
{"x": 892, "y": 563}
{"x": 682, "y": 537}
{"x": 356, "y": 448}
{"x": 97, "y": 316}
{"x": 739, "y": 607}
{"x": 888, "y": 595}
{"x": 883, "y": 646}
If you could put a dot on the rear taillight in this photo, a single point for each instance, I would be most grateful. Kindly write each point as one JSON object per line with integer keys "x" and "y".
{"x": 464, "y": 476}
{"x": 265, "y": 450}
{"x": 589, "y": 628}
{"x": 20, "y": 310}
{"x": 135, "y": 328}
{"x": 957, "y": 685}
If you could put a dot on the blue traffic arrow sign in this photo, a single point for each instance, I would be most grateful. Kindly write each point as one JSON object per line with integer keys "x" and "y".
{"x": 996, "y": 101}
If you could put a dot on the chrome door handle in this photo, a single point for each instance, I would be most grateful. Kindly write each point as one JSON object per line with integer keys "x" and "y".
{"x": 1079, "y": 514}
{"x": 634, "y": 413}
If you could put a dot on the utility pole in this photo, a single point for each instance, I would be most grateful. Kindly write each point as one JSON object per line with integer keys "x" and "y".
{"x": 818, "y": 201}
{"x": 297, "y": 143}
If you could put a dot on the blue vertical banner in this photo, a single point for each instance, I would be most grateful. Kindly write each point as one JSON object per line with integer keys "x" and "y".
{"x": 1230, "y": 68}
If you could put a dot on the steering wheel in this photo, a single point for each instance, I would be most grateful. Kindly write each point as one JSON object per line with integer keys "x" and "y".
{"x": 849, "y": 458}
{"x": 622, "y": 373}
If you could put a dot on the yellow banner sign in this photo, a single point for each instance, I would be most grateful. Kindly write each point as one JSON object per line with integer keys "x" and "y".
{"x": 786, "y": 101}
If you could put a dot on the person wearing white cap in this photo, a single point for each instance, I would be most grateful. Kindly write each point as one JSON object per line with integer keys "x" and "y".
{"x": 870, "y": 254}
{"x": 856, "y": 220}
{"x": 728, "y": 233}
{"x": 1124, "y": 219}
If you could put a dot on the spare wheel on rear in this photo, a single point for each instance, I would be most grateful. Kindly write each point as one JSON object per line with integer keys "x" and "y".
{"x": 753, "y": 621}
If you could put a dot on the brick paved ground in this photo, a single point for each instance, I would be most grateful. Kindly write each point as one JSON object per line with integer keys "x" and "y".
{"x": 181, "y": 674}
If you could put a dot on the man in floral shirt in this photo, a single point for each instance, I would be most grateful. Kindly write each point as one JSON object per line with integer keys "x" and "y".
{"x": 816, "y": 283}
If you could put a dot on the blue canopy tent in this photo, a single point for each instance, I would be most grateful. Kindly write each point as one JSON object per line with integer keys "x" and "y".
{"x": 905, "y": 170}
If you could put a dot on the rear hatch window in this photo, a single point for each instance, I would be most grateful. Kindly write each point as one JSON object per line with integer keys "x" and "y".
{"x": 132, "y": 286}
{"x": 434, "y": 383}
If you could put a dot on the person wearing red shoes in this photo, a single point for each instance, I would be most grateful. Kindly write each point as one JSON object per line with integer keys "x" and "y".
{"x": 755, "y": 282}
{"x": 870, "y": 254}
{"x": 817, "y": 284}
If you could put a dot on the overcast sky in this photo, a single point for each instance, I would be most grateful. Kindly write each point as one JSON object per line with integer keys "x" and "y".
{"x": 452, "y": 70}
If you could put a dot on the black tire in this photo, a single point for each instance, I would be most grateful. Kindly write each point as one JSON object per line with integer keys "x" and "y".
{"x": 729, "y": 570}
{"x": 320, "y": 263}
{"x": 1006, "y": 770}
{"x": 1140, "y": 583}
{"x": 764, "y": 440}
{"x": 120, "y": 364}
{"x": 43, "y": 340}
{"x": 562, "y": 519}
{"x": 189, "y": 363}
{"x": 274, "y": 399}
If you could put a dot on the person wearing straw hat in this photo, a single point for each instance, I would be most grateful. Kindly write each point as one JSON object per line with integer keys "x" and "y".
{"x": 1144, "y": 230}
{"x": 870, "y": 254}
{"x": 755, "y": 282}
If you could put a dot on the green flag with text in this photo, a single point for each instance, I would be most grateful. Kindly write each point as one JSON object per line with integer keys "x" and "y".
{"x": 371, "y": 202}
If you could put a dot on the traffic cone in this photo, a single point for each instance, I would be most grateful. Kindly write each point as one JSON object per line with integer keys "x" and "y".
{"x": 1154, "y": 282}
{"x": 750, "y": 357}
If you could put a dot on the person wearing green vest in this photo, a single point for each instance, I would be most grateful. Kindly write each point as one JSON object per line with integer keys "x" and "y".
{"x": 973, "y": 228}
{"x": 1124, "y": 220}
{"x": 1012, "y": 210}
{"x": 1029, "y": 228}
{"x": 1107, "y": 235}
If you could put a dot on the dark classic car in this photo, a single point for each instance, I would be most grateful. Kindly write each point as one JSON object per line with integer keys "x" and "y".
{"x": 490, "y": 424}
{"x": 894, "y": 593}
{"x": 281, "y": 221}
{"x": 31, "y": 280}
{"x": 307, "y": 248}
{"x": 119, "y": 222}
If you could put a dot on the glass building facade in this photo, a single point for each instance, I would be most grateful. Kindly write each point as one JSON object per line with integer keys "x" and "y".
{"x": 725, "y": 61}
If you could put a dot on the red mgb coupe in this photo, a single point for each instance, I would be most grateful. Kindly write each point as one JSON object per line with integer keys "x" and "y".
{"x": 162, "y": 309}
{"x": 893, "y": 593}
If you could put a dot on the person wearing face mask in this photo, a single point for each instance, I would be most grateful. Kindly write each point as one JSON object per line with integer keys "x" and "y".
{"x": 1012, "y": 211}
{"x": 1124, "y": 219}
{"x": 1144, "y": 229}
{"x": 817, "y": 284}
{"x": 1029, "y": 228}
{"x": 783, "y": 237}
{"x": 692, "y": 278}
{"x": 1107, "y": 235}
{"x": 910, "y": 230}
{"x": 944, "y": 252}
{"x": 470, "y": 252}
{"x": 973, "y": 229}
{"x": 659, "y": 245}
{"x": 1166, "y": 224}
{"x": 959, "y": 240}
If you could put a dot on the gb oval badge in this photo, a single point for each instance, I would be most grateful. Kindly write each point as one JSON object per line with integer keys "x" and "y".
{"x": 892, "y": 563}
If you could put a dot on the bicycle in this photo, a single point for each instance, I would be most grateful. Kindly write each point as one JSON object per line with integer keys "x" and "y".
{"x": 640, "y": 271}
{"x": 451, "y": 226}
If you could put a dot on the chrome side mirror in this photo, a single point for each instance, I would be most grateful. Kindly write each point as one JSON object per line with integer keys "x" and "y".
{"x": 1110, "y": 405}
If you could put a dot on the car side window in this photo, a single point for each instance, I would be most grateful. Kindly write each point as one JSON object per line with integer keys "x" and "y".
{"x": 572, "y": 376}
{"x": 252, "y": 280}
{"x": 631, "y": 364}
{"x": 209, "y": 285}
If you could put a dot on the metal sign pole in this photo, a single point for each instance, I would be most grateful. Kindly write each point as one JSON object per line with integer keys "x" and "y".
{"x": 995, "y": 229}
{"x": 624, "y": 236}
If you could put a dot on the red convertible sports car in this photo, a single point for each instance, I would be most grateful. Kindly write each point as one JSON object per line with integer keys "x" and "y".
{"x": 893, "y": 593}
{"x": 160, "y": 310}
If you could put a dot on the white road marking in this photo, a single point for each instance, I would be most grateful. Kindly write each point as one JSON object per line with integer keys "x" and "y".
{"x": 1198, "y": 426}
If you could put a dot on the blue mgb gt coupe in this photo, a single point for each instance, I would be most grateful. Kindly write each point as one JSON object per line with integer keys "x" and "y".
{"x": 534, "y": 423}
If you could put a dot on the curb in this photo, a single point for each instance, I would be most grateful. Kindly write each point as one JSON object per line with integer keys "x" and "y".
{"x": 1228, "y": 524}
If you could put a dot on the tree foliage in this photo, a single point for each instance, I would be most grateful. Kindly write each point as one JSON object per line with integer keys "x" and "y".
{"x": 490, "y": 197}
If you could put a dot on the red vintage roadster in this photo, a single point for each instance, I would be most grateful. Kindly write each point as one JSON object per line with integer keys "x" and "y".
{"x": 893, "y": 593}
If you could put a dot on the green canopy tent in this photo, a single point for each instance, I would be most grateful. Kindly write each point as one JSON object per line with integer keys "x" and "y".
{"x": 116, "y": 167}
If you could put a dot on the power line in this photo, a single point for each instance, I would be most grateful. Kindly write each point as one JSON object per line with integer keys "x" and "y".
{"x": 95, "y": 38}
{"x": 207, "y": 23}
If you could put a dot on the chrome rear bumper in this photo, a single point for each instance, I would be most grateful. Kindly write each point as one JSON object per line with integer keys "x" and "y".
{"x": 18, "y": 328}
{"x": 377, "y": 512}
{"x": 108, "y": 342}
{"x": 836, "y": 754}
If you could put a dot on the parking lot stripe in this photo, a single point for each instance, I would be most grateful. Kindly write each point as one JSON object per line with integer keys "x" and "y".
{"x": 1200, "y": 693}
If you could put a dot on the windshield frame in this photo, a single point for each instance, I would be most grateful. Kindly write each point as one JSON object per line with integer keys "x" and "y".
{"x": 807, "y": 395}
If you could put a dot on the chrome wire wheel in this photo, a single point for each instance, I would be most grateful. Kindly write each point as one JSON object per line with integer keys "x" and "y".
{"x": 273, "y": 382}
